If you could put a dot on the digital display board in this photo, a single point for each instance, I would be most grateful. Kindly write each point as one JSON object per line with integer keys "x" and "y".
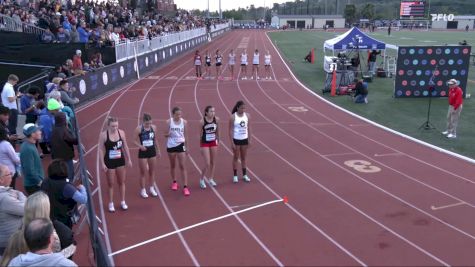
{"x": 415, "y": 9}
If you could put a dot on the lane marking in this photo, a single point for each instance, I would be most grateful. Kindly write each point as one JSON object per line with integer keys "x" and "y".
{"x": 447, "y": 206}
{"x": 298, "y": 109}
{"x": 362, "y": 166}
{"x": 196, "y": 225}
{"x": 388, "y": 154}
{"x": 340, "y": 154}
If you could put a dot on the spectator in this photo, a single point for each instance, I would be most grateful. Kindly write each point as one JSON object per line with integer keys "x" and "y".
{"x": 67, "y": 25}
{"x": 63, "y": 195}
{"x": 68, "y": 68}
{"x": 28, "y": 107}
{"x": 48, "y": 36}
{"x": 77, "y": 62}
{"x": 62, "y": 36}
{"x": 4, "y": 117}
{"x": 9, "y": 97}
{"x": 46, "y": 123}
{"x": 372, "y": 61}
{"x": 83, "y": 33}
{"x": 62, "y": 143}
{"x": 455, "y": 108}
{"x": 308, "y": 57}
{"x": 55, "y": 94}
{"x": 74, "y": 35}
{"x": 12, "y": 203}
{"x": 8, "y": 156}
{"x": 66, "y": 92}
{"x": 31, "y": 166}
{"x": 16, "y": 245}
{"x": 39, "y": 236}
{"x": 361, "y": 92}
{"x": 54, "y": 73}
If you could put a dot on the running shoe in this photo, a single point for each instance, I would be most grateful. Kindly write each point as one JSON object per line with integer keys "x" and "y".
{"x": 143, "y": 193}
{"x": 445, "y": 133}
{"x": 186, "y": 191}
{"x": 451, "y": 136}
{"x": 235, "y": 179}
{"x": 174, "y": 186}
{"x": 111, "y": 207}
{"x": 212, "y": 182}
{"x": 153, "y": 191}
{"x": 257, "y": 78}
{"x": 123, "y": 205}
{"x": 246, "y": 178}
{"x": 202, "y": 184}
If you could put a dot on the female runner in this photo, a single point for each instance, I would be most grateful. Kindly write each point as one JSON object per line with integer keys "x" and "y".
{"x": 267, "y": 59}
{"x": 207, "y": 64}
{"x": 232, "y": 62}
{"x": 244, "y": 64}
{"x": 197, "y": 61}
{"x": 255, "y": 65}
{"x": 219, "y": 62}
{"x": 240, "y": 134}
{"x": 209, "y": 145}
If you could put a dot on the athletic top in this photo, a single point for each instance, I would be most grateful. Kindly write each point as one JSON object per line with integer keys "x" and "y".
{"x": 114, "y": 156}
{"x": 208, "y": 59}
{"x": 240, "y": 127}
{"x": 209, "y": 131}
{"x": 267, "y": 60}
{"x": 147, "y": 139}
{"x": 177, "y": 133}
{"x": 255, "y": 59}
{"x": 244, "y": 59}
{"x": 219, "y": 59}
{"x": 197, "y": 60}
{"x": 232, "y": 59}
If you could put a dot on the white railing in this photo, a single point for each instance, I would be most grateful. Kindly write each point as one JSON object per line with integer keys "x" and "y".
{"x": 9, "y": 24}
{"x": 130, "y": 49}
{"x": 217, "y": 27}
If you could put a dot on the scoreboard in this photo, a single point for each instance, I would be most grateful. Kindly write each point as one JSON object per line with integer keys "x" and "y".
{"x": 412, "y": 9}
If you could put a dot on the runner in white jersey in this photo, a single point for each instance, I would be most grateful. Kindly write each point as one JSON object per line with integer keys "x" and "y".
{"x": 176, "y": 148}
{"x": 244, "y": 64}
{"x": 240, "y": 134}
{"x": 255, "y": 65}
{"x": 232, "y": 62}
{"x": 197, "y": 61}
{"x": 267, "y": 59}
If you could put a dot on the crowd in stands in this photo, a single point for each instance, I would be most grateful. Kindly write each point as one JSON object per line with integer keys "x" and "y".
{"x": 102, "y": 23}
{"x": 36, "y": 226}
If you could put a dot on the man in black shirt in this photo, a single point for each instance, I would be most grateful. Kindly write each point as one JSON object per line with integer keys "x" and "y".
{"x": 361, "y": 92}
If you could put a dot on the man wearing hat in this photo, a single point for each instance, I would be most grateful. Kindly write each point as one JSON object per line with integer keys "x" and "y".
{"x": 31, "y": 166}
{"x": 77, "y": 62}
{"x": 455, "y": 107}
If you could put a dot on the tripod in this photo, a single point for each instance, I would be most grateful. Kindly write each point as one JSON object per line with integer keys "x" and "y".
{"x": 427, "y": 125}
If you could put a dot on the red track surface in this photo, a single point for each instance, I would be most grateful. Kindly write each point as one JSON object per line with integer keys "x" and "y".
{"x": 336, "y": 215}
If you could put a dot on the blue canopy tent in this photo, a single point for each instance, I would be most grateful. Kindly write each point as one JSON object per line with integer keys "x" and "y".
{"x": 353, "y": 39}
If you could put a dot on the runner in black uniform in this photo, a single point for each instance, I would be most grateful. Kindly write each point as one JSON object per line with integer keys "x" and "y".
{"x": 207, "y": 65}
{"x": 115, "y": 152}
{"x": 145, "y": 139}
{"x": 209, "y": 145}
{"x": 219, "y": 62}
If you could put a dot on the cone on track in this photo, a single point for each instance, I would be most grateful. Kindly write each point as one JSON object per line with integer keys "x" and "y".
{"x": 286, "y": 200}
{"x": 333, "y": 89}
{"x": 312, "y": 56}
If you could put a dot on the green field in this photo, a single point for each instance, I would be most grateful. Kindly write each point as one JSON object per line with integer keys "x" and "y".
{"x": 404, "y": 115}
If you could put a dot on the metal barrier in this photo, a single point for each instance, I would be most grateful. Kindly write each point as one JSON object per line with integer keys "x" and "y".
{"x": 9, "y": 24}
{"x": 130, "y": 49}
{"x": 217, "y": 27}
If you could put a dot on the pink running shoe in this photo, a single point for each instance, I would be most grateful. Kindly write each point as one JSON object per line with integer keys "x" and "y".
{"x": 186, "y": 191}
{"x": 174, "y": 186}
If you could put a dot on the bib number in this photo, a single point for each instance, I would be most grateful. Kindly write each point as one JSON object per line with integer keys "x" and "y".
{"x": 147, "y": 143}
{"x": 115, "y": 154}
{"x": 210, "y": 137}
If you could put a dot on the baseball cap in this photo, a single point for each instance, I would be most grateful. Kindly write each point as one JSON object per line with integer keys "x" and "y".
{"x": 53, "y": 104}
{"x": 78, "y": 52}
{"x": 452, "y": 82}
{"x": 30, "y": 128}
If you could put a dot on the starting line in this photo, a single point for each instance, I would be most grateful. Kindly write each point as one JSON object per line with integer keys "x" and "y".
{"x": 285, "y": 200}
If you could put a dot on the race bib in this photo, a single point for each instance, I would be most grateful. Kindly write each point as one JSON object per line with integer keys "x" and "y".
{"x": 184, "y": 148}
{"x": 115, "y": 154}
{"x": 147, "y": 143}
{"x": 210, "y": 137}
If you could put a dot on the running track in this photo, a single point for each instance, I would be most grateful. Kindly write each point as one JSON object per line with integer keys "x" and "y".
{"x": 390, "y": 213}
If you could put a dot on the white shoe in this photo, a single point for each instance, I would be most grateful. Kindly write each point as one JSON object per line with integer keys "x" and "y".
{"x": 246, "y": 178}
{"x": 202, "y": 183}
{"x": 252, "y": 77}
{"x": 143, "y": 193}
{"x": 257, "y": 78}
{"x": 445, "y": 133}
{"x": 451, "y": 136}
{"x": 235, "y": 179}
{"x": 153, "y": 191}
{"x": 111, "y": 207}
{"x": 123, "y": 205}
{"x": 270, "y": 78}
{"x": 212, "y": 182}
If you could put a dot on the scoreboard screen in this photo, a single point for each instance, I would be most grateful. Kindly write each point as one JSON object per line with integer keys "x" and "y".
{"x": 415, "y": 9}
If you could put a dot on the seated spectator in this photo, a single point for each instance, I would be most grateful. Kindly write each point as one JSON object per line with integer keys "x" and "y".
{"x": 87, "y": 67}
{"x": 77, "y": 62}
{"x": 16, "y": 245}
{"x": 8, "y": 156}
{"x": 12, "y": 203}
{"x": 48, "y": 36}
{"x": 68, "y": 69}
{"x": 39, "y": 237}
{"x": 361, "y": 92}
{"x": 83, "y": 33}
{"x": 63, "y": 195}
{"x": 62, "y": 36}
{"x": 66, "y": 24}
{"x": 27, "y": 103}
{"x": 96, "y": 61}
{"x": 73, "y": 34}
{"x": 31, "y": 166}
{"x": 66, "y": 94}
{"x": 54, "y": 73}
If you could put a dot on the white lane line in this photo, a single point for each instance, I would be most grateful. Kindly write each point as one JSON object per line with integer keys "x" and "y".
{"x": 195, "y": 225}
{"x": 388, "y": 154}
{"x": 447, "y": 206}
{"x": 340, "y": 154}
